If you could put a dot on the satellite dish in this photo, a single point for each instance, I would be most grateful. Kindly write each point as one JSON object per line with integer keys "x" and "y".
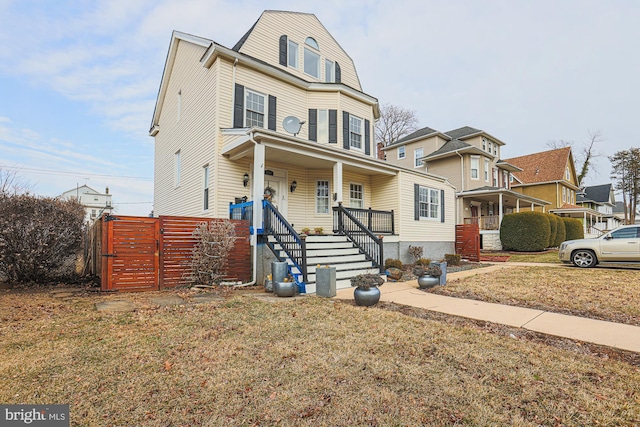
{"x": 292, "y": 125}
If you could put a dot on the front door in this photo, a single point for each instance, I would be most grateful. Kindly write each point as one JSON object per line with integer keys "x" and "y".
{"x": 276, "y": 188}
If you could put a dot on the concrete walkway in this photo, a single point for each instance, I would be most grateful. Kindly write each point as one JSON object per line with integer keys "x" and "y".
{"x": 616, "y": 335}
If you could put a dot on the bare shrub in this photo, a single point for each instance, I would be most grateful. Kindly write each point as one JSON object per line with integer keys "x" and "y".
{"x": 415, "y": 252}
{"x": 215, "y": 241}
{"x": 39, "y": 237}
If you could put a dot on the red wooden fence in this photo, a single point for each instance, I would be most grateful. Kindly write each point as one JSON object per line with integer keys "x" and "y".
{"x": 140, "y": 253}
{"x": 468, "y": 241}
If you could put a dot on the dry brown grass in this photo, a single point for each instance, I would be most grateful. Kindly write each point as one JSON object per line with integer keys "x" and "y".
{"x": 602, "y": 293}
{"x": 241, "y": 361}
{"x": 550, "y": 256}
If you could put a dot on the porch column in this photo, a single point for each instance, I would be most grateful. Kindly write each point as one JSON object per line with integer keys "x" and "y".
{"x": 533, "y": 207}
{"x": 337, "y": 183}
{"x": 517, "y": 205}
{"x": 584, "y": 222}
{"x": 258, "y": 186}
{"x": 499, "y": 210}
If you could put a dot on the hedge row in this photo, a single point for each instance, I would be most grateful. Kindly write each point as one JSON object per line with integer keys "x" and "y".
{"x": 532, "y": 231}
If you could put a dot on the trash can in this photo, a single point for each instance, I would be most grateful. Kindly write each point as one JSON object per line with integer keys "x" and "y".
{"x": 443, "y": 267}
{"x": 326, "y": 282}
{"x": 279, "y": 271}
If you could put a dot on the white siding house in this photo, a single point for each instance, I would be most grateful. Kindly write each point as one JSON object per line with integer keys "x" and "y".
{"x": 283, "y": 114}
{"x": 95, "y": 204}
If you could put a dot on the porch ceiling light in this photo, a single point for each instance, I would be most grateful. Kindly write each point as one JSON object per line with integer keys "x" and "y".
{"x": 294, "y": 185}
{"x": 245, "y": 179}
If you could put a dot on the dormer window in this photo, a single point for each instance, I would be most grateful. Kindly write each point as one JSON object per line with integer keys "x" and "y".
{"x": 567, "y": 174}
{"x": 311, "y": 58}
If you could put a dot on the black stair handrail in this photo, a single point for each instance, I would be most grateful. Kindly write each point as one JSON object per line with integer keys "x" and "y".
{"x": 290, "y": 241}
{"x": 370, "y": 244}
{"x": 376, "y": 221}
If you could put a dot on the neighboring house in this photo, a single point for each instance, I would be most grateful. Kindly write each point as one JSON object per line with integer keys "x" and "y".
{"x": 95, "y": 204}
{"x": 602, "y": 199}
{"x": 551, "y": 175}
{"x": 282, "y": 115}
{"x": 618, "y": 212}
{"x": 470, "y": 159}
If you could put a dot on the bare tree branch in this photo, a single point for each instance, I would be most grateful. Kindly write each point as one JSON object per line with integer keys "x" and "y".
{"x": 394, "y": 123}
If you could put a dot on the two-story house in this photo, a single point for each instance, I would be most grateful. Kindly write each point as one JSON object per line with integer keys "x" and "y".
{"x": 470, "y": 159}
{"x": 278, "y": 130}
{"x": 95, "y": 204}
{"x": 602, "y": 199}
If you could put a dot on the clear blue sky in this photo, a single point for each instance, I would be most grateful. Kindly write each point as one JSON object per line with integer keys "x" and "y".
{"x": 78, "y": 79}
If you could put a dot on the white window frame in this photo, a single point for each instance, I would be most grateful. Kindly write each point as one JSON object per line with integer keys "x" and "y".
{"x": 205, "y": 188}
{"x": 356, "y": 202}
{"x": 329, "y": 71}
{"x": 176, "y": 168}
{"x": 418, "y": 153}
{"x": 567, "y": 174}
{"x": 487, "y": 165}
{"x": 505, "y": 179}
{"x": 495, "y": 148}
{"x": 494, "y": 174}
{"x": 308, "y": 54}
{"x": 401, "y": 152}
{"x": 429, "y": 203}
{"x": 293, "y": 53}
{"x": 475, "y": 161}
{"x": 247, "y": 110}
{"x": 323, "y": 126}
{"x": 356, "y": 132}
{"x": 321, "y": 197}
{"x": 484, "y": 144}
{"x": 564, "y": 194}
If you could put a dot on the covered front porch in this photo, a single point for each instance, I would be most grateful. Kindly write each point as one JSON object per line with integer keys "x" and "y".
{"x": 487, "y": 206}
{"x": 594, "y": 223}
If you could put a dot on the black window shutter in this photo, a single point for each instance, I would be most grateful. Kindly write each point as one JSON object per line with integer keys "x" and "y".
{"x": 238, "y": 107}
{"x": 333, "y": 126}
{"x": 416, "y": 202}
{"x": 272, "y": 112}
{"x": 345, "y": 130}
{"x": 338, "y": 74}
{"x": 441, "y": 205}
{"x": 367, "y": 138}
{"x": 283, "y": 50}
{"x": 313, "y": 124}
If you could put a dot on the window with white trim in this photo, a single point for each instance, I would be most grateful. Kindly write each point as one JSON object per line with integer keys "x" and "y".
{"x": 323, "y": 126}
{"x": 205, "y": 191}
{"x": 429, "y": 203}
{"x": 505, "y": 179}
{"x": 486, "y": 169}
{"x": 254, "y": 109}
{"x": 292, "y": 54}
{"x": 567, "y": 174}
{"x": 495, "y": 149}
{"x": 484, "y": 144}
{"x": 418, "y": 154}
{"x": 176, "y": 169}
{"x": 311, "y": 58}
{"x": 356, "y": 196}
{"x": 329, "y": 71}
{"x": 355, "y": 132}
{"x": 401, "y": 152}
{"x": 322, "y": 197}
{"x": 475, "y": 165}
{"x": 564, "y": 194}
{"x": 495, "y": 177}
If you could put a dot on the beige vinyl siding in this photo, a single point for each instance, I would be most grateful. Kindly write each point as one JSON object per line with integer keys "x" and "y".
{"x": 229, "y": 184}
{"x": 450, "y": 168}
{"x": 196, "y": 143}
{"x": 364, "y": 180}
{"x": 424, "y": 230}
{"x": 263, "y": 43}
{"x": 386, "y": 195}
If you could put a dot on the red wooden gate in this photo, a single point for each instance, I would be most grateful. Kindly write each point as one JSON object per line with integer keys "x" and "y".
{"x": 130, "y": 248}
{"x": 468, "y": 241}
{"x": 141, "y": 253}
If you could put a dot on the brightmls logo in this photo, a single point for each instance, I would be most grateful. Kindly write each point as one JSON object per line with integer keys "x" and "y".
{"x": 34, "y": 415}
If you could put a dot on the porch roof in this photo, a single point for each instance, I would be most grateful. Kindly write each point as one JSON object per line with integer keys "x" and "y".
{"x": 489, "y": 193}
{"x": 578, "y": 211}
{"x": 239, "y": 143}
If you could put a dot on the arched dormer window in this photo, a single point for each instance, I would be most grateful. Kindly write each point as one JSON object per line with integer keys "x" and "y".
{"x": 310, "y": 41}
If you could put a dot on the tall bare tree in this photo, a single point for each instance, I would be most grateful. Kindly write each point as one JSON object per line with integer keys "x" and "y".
{"x": 584, "y": 155}
{"x": 625, "y": 171}
{"x": 394, "y": 123}
{"x": 11, "y": 183}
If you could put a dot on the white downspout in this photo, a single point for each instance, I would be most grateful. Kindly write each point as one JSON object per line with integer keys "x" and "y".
{"x": 460, "y": 218}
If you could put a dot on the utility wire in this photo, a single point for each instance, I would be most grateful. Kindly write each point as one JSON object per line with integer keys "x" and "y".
{"x": 68, "y": 173}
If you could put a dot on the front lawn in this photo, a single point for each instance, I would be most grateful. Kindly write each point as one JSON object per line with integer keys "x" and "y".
{"x": 310, "y": 361}
{"x": 600, "y": 293}
{"x": 550, "y": 256}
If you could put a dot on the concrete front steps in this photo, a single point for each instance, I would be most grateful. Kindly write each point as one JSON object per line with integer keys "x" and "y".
{"x": 333, "y": 251}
